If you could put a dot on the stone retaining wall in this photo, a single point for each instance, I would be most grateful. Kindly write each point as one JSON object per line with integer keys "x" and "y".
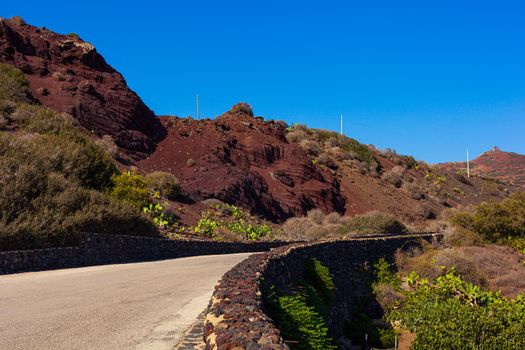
{"x": 97, "y": 249}
{"x": 235, "y": 318}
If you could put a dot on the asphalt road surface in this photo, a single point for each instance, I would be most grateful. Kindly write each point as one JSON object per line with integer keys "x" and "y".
{"x": 130, "y": 306}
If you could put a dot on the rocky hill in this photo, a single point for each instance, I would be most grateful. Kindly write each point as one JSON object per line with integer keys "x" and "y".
{"x": 67, "y": 74}
{"x": 274, "y": 170}
{"x": 508, "y": 167}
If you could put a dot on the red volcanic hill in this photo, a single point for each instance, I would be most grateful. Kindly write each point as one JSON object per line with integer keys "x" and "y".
{"x": 69, "y": 75}
{"x": 508, "y": 167}
{"x": 263, "y": 166}
{"x": 247, "y": 161}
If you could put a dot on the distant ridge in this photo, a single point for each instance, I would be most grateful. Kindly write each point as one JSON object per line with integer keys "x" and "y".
{"x": 508, "y": 167}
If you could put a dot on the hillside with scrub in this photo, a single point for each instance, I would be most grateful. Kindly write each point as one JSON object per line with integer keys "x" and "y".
{"x": 82, "y": 152}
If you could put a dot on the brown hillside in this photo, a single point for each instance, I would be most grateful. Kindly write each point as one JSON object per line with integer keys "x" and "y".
{"x": 508, "y": 167}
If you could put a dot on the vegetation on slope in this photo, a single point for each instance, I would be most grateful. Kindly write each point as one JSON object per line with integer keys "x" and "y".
{"x": 450, "y": 313}
{"x": 317, "y": 225}
{"x": 53, "y": 178}
{"x": 302, "y": 315}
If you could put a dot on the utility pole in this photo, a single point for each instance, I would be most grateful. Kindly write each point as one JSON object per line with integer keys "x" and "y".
{"x": 341, "y": 123}
{"x": 197, "y": 106}
{"x": 468, "y": 165}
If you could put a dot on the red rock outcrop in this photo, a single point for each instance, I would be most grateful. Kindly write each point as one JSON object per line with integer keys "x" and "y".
{"x": 69, "y": 75}
{"x": 246, "y": 161}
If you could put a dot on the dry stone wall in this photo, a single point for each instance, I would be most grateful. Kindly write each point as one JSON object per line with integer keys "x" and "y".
{"x": 97, "y": 249}
{"x": 236, "y": 319}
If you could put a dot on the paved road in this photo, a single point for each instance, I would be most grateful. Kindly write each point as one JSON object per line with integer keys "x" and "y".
{"x": 131, "y": 306}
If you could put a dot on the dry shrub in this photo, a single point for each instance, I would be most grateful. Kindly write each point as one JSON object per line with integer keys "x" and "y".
{"x": 326, "y": 160}
{"x": 165, "y": 183}
{"x": 107, "y": 143}
{"x": 310, "y": 147}
{"x": 316, "y": 216}
{"x": 341, "y": 155}
{"x": 387, "y": 296}
{"x": 456, "y": 237}
{"x": 414, "y": 190}
{"x": 333, "y": 219}
{"x": 374, "y": 222}
{"x": 453, "y": 257}
{"x": 316, "y": 232}
{"x": 243, "y": 108}
{"x": 432, "y": 263}
{"x": 295, "y": 136}
{"x": 294, "y": 229}
{"x": 395, "y": 176}
{"x": 42, "y": 209}
{"x": 19, "y": 21}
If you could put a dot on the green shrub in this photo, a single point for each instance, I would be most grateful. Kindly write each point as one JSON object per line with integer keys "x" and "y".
{"x": 242, "y": 107}
{"x": 449, "y": 313}
{"x": 496, "y": 221}
{"x": 131, "y": 187}
{"x": 164, "y": 183}
{"x": 364, "y": 153}
{"x": 302, "y": 316}
{"x": 13, "y": 85}
{"x": 230, "y": 221}
{"x": 374, "y": 222}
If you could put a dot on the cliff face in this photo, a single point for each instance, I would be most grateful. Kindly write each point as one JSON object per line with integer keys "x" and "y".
{"x": 69, "y": 75}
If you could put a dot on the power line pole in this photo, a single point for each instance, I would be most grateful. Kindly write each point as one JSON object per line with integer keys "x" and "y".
{"x": 341, "y": 123}
{"x": 197, "y": 106}
{"x": 468, "y": 165}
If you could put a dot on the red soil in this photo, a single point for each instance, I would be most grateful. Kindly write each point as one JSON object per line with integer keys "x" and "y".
{"x": 246, "y": 161}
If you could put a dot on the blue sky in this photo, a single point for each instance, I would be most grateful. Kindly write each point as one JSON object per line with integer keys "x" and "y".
{"x": 427, "y": 78}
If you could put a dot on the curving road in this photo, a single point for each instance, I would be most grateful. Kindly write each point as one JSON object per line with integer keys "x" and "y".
{"x": 130, "y": 306}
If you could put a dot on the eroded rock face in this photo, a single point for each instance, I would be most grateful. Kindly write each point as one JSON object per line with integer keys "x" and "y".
{"x": 246, "y": 161}
{"x": 69, "y": 75}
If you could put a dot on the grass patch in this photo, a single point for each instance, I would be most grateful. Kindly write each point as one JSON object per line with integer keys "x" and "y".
{"x": 302, "y": 316}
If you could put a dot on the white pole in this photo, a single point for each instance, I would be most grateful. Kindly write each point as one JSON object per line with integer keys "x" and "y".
{"x": 341, "y": 123}
{"x": 468, "y": 165}
{"x": 197, "y": 106}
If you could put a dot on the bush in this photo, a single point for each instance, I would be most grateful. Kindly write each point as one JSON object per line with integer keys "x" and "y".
{"x": 326, "y": 160}
{"x": 495, "y": 221}
{"x": 13, "y": 85}
{"x": 374, "y": 222}
{"x": 294, "y": 229}
{"x": 363, "y": 152}
{"x": 164, "y": 183}
{"x": 395, "y": 176}
{"x": 19, "y": 21}
{"x": 295, "y": 136}
{"x": 131, "y": 188}
{"x": 449, "y": 313}
{"x": 310, "y": 147}
{"x": 108, "y": 145}
{"x": 243, "y": 108}
{"x": 42, "y": 209}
